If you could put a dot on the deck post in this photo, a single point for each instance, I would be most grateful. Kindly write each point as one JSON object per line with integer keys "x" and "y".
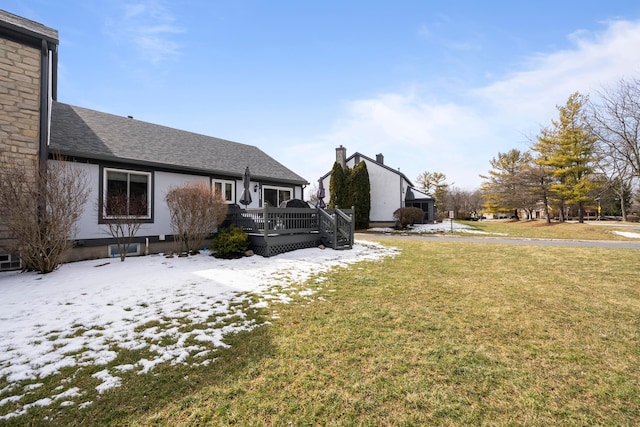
{"x": 353, "y": 226}
{"x": 265, "y": 221}
{"x": 335, "y": 229}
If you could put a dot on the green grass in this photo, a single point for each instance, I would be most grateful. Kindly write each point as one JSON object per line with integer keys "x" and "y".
{"x": 443, "y": 334}
{"x": 555, "y": 230}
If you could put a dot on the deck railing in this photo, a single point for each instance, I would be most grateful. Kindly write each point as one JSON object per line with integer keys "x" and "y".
{"x": 276, "y": 230}
{"x": 273, "y": 221}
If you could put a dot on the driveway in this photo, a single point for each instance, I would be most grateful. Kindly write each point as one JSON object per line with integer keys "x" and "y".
{"x": 500, "y": 240}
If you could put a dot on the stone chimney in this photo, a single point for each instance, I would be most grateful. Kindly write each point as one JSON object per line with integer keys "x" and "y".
{"x": 380, "y": 158}
{"x": 341, "y": 156}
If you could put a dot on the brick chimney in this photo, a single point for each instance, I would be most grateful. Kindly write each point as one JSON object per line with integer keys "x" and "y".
{"x": 380, "y": 158}
{"x": 341, "y": 156}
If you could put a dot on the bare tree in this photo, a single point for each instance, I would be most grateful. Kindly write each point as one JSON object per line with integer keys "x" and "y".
{"x": 618, "y": 178}
{"x": 313, "y": 194}
{"x": 540, "y": 178}
{"x": 615, "y": 121}
{"x": 123, "y": 217}
{"x": 195, "y": 213}
{"x": 455, "y": 201}
{"x": 473, "y": 202}
{"x": 434, "y": 183}
{"x": 41, "y": 212}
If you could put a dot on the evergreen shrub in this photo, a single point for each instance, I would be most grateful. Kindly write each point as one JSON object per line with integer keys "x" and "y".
{"x": 231, "y": 242}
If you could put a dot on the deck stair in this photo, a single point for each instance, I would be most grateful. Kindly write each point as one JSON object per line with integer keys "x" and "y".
{"x": 336, "y": 228}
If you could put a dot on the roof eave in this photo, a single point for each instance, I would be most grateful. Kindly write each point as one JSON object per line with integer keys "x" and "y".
{"x": 168, "y": 167}
{"x": 26, "y": 30}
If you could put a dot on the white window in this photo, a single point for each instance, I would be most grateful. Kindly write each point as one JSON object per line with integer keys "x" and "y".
{"x": 226, "y": 188}
{"x": 127, "y": 193}
{"x": 10, "y": 262}
{"x": 132, "y": 249}
{"x": 273, "y": 196}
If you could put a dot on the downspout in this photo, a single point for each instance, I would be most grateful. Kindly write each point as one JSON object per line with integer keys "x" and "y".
{"x": 54, "y": 73}
{"x": 45, "y": 110}
{"x": 400, "y": 176}
{"x": 43, "y": 149}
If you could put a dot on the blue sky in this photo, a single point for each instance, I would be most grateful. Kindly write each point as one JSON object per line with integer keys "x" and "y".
{"x": 432, "y": 85}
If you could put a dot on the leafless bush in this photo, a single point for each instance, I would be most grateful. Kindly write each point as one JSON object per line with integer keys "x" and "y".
{"x": 195, "y": 213}
{"x": 408, "y": 216}
{"x": 122, "y": 215}
{"x": 41, "y": 211}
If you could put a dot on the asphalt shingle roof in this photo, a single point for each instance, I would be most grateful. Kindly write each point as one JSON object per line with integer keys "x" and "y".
{"x": 90, "y": 134}
{"x": 28, "y": 28}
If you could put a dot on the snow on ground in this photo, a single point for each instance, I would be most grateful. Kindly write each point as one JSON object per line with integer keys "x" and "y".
{"x": 432, "y": 228}
{"x": 629, "y": 234}
{"x": 446, "y": 226}
{"x": 83, "y": 313}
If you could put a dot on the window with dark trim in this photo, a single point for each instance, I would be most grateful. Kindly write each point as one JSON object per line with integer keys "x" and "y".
{"x": 225, "y": 188}
{"x": 126, "y": 194}
{"x": 273, "y": 196}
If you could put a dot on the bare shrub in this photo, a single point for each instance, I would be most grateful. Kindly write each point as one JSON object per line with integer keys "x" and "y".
{"x": 408, "y": 216}
{"x": 195, "y": 212}
{"x": 41, "y": 211}
{"x": 123, "y": 215}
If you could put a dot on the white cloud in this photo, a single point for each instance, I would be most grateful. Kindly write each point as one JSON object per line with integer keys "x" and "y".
{"x": 596, "y": 60}
{"x": 148, "y": 26}
{"x": 417, "y": 133}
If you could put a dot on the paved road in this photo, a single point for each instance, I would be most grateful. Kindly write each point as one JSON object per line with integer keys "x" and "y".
{"x": 501, "y": 240}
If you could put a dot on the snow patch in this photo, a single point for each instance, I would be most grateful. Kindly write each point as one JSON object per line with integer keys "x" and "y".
{"x": 80, "y": 317}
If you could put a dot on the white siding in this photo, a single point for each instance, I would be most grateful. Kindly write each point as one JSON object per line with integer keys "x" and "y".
{"x": 388, "y": 190}
{"x": 89, "y": 228}
{"x": 163, "y": 182}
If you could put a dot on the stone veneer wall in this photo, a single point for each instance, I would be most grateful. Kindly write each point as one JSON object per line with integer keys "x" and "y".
{"x": 19, "y": 112}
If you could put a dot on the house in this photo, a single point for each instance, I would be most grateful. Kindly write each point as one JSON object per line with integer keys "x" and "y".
{"x": 150, "y": 159}
{"x": 390, "y": 189}
{"x": 145, "y": 158}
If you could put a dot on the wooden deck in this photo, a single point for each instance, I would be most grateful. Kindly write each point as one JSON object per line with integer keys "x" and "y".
{"x": 273, "y": 231}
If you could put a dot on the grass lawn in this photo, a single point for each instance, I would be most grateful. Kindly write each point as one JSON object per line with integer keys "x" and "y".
{"x": 443, "y": 334}
{"x": 555, "y": 230}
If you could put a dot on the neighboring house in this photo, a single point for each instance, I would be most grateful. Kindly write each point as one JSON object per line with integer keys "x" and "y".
{"x": 390, "y": 189}
{"x": 122, "y": 152}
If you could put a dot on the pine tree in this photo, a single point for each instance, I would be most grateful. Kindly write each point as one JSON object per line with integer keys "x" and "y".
{"x": 360, "y": 190}
{"x": 508, "y": 187}
{"x": 568, "y": 149}
{"x": 337, "y": 186}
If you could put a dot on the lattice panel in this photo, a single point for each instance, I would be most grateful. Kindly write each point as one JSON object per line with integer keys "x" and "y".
{"x": 271, "y": 250}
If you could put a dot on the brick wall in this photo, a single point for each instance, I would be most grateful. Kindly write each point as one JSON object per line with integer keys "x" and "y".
{"x": 19, "y": 111}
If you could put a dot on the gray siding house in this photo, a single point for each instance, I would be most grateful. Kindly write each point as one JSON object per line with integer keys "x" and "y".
{"x": 113, "y": 150}
{"x": 149, "y": 159}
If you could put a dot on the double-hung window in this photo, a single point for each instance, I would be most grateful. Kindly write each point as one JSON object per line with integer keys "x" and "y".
{"x": 127, "y": 194}
{"x": 225, "y": 188}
